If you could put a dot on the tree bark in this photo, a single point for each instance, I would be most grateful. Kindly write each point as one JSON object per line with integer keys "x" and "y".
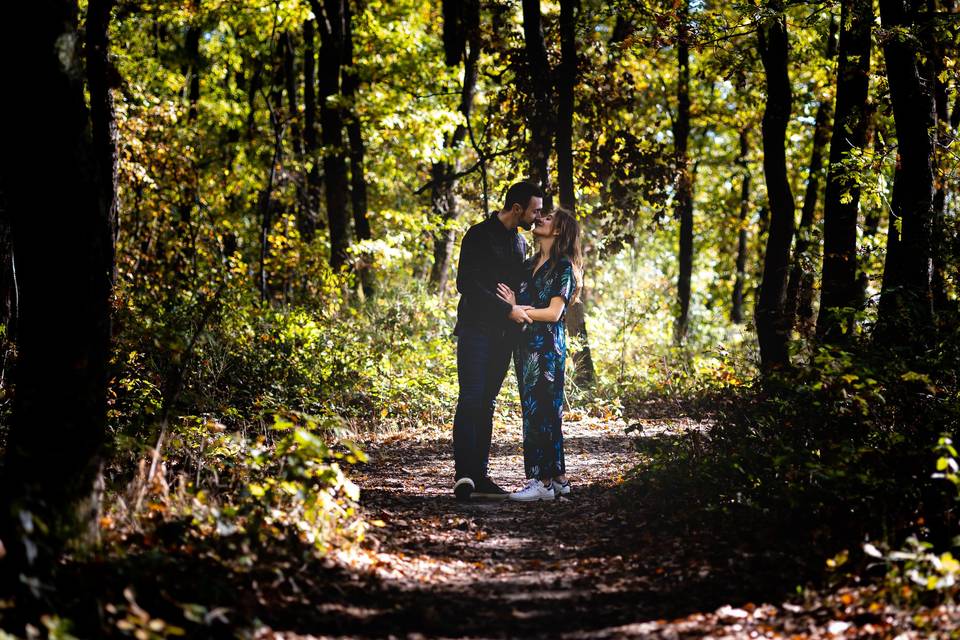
{"x": 684, "y": 197}
{"x": 465, "y": 19}
{"x": 946, "y": 134}
{"x": 540, "y": 121}
{"x": 905, "y": 314}
{"x": 192, "y": 46}
{"x": 307, "y": 222}
{"x": 567, "y": 73}
{"x": 736, "y": 309}
{"x": 331, "y": 17}
{"x": 567, "y": 78}
{"x": 290, "y": 81}
{"x": 800, "y": 289}
{"x": 773, "y": 327}
{"x": 840, "y": 293}
{"x": 63, "y": 240}
{"x": 358, "y": 181}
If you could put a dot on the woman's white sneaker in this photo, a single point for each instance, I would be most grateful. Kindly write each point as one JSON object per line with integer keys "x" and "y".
{"x": 533, "y": 491}
{"x": 561, "y": 488}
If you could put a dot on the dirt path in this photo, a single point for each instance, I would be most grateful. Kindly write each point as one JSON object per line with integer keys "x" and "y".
{"x": 591, "y": 566}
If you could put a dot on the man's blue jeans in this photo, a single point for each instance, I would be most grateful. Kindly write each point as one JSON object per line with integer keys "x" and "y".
{"x": 482, "y": 363}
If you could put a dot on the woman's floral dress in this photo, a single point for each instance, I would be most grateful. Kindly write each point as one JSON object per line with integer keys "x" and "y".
{"x": 541, "y": 356}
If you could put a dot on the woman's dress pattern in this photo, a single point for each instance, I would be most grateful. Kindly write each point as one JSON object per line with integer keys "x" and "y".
{"x": 541, "y": 357}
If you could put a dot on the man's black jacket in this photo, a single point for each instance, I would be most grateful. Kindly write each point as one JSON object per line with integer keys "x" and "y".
{"x": 490, "y": 253}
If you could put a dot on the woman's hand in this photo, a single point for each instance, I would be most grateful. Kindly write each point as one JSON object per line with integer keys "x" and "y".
{"x": 506, "y": 294}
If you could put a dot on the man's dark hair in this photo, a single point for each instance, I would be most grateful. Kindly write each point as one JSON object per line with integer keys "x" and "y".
{"x": 520, "y": 193}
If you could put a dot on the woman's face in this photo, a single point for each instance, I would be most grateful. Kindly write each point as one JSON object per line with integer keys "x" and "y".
{"x": 543, "y": 226}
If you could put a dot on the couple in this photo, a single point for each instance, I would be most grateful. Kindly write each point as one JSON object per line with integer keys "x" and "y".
{"x": 513, "y": 305}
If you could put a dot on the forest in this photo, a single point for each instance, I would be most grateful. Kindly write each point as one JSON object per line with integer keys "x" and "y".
{"x": 230, "y": 234}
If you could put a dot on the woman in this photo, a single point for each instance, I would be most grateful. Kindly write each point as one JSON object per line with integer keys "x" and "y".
{"x": 554, "y": 279}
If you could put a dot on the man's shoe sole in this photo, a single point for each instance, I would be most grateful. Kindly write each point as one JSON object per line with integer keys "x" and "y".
{"x": 463, "y": 488}
{"x": 490, "y": 496}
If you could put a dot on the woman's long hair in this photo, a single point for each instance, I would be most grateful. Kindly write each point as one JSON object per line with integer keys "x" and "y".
{"x": 566, "y": 244}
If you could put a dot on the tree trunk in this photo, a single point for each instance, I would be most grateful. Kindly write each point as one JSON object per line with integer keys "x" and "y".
{"x": 905, "y": 314}
{"x": 290, "y": 80}
{"x": 684, "y": 197}
{"x": 331, "y": 18}
{"x": 800, "y": 290}
{"x": 566, "y": 83}
{"x": 8, "y": 284}
{"x": 466, "y": 21}
{"x": 358, "y": 182}
{"x": 307, "y": 222}
{"x": 540, "y": 120}
{"x": 567, "y": 78}
{"x": 63, "y": 240}
{"x": 736, "y": 309}
{"x": 840, "y": 293}
{"x": 773, "y": 327}
{"x": 192, "y": 46}
{"x": 945, "y": 138}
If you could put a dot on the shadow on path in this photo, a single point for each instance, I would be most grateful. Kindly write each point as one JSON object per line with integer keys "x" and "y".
{"x": 578, "y": 567}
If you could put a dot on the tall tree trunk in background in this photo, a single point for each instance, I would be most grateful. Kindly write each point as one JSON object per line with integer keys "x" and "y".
{"x": 63, "y": 240}
{"x": 540, "y": 120}
{"x": 331, "y": 19}
{"x": 461, "y": 28}
{"x": 290, "y": 84}
{"x": 773, "y": 328}
{"x": 307, "y": 221}
{"x": 8, "y": 298}
{"x": 684, "y": 196}
{"x": 840, "y": 292}
{"x": 358, "y": 181}
{"x": 800, "y": 290}
{"x": 736, "y": 309}
{"x": 192, "y": 47}
{"x": 253, "y": 86}
{"x": 566, "y": 83}
{"x": 946, "y": 134}
{"x": 567, "y": 77}
{"x": 905, "y": 315}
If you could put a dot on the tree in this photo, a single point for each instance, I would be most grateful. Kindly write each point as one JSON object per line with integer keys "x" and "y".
{"x": 800, "y": 291}
{"x": 461, "y": 41}
{"x": 684, "y": 197}
{"x": 566, "y": 85}
{"x": 332, "y": 20}
{"x": 736, "y": 309}
{"x": 567, "y": 76}
{"x": 840, "y": 292}
{"x": 64, "y": 242}
{"x": 541, "y": 117}
{"x": 905, "y": 314}
{"x": 773, "y": 327}
{"x": 358, "y": 181}
{"x": 307, "y": 222}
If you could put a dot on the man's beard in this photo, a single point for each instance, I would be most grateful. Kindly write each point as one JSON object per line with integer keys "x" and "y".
{"x": 526, "y": 226}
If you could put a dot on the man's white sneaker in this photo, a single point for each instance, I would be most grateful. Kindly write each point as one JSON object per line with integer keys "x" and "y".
{"x": 533, "y": 491}
{"x": 561, "y": 488}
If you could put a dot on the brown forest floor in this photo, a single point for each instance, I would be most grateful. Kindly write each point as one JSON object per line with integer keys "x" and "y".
{"x": 596, "y": 565}
{"x": 601, "y": 564}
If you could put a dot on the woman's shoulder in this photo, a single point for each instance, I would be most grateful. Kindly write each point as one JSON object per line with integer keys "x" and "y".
{"x": 563, "y": 263}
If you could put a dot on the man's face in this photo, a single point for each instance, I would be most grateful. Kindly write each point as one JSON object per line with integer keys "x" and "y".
{"x": 531, "y": 213}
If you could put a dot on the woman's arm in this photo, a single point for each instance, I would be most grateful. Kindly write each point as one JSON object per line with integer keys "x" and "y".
{"x": 549, "y": 314}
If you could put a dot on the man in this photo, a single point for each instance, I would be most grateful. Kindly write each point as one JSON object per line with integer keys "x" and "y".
{"x": 487, "y": 330}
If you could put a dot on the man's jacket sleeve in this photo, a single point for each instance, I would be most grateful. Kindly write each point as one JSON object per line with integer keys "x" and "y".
{"x": 474, "y": 260}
